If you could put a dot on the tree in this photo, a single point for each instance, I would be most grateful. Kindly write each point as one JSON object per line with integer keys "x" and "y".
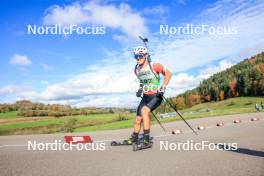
{"x": 233, "y": 88}
{"x": 222, "y": 95}
{"x": 180, "y": 102}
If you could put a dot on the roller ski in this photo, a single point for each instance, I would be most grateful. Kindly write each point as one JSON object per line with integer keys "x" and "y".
{"x": 124, "y": 142}
{"x": 130, "y": 141}
{"x": 143, "y": 144}
{"x": 116, "y": 143}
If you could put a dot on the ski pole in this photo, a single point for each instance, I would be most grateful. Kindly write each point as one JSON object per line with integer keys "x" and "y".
{"x": 164, "y": 129}
{"x": 144, "y": 40}
{"x": 175, "y": 109}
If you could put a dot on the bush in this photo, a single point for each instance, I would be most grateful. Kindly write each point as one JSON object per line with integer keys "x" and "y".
{"x": 41, "y": 113}
{"x": 69, "y": 125}
{"x": 122, "y": 116}
{"x": 75, "y": 112}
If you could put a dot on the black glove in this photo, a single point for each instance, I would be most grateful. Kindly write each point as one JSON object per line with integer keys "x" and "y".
{"x": 139, "y": 92}
{"x": 161, "y": 91}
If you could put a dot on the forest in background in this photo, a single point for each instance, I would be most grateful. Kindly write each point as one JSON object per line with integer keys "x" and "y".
{"x": 243, "y": 79}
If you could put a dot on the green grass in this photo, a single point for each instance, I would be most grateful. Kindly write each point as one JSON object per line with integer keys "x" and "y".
{"x": 5, "y": 115}
{"x": 20, "y": 125}
{"x": 95, "y": 117}
{"x": 227, "y": 107}
{"x": 89, "y": 120}
{"x": 109, "y": 126}
{"x": 229, "y": 104}
{"x": 98, "y": 122}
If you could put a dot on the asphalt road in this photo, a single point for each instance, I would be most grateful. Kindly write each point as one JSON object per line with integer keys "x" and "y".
{"x": 248, "y": 159}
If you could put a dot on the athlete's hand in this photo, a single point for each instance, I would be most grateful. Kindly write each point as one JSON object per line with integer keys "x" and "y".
{"x": 139, "y": 92}
{"x": 161, "y": 91}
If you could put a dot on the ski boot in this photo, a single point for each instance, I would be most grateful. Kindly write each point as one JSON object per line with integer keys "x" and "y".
{"x": 147, "y": 143}
{"x": 131, "y": 140}
{"x": 144, "y": 144}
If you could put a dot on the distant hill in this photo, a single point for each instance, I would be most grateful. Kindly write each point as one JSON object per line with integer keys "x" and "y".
{"x": 243, "y": 79}
{"x": 26, "y": 108}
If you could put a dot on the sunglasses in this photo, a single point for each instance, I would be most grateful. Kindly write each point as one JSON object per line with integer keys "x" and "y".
{"x": 139, "y": 56}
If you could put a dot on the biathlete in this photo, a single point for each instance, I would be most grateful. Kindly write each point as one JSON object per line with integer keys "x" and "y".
{"x": 148, "y": 75}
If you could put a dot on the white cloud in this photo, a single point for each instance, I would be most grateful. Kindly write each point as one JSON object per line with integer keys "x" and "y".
{"x": 8, "y": 89}
{"x": 180, "y": 83}
{"x": 183, "y": 81}
{"x": 46, "y": 66}
{"x": 186, "y": 52}
{"x": 99, "y": 80}
{"x": 120, "y": 17}
{"x": 72, "y": 14}
{"x": 106, "y": 85}
{"x": 20, "y": 60}
{"x": 111, "y": 80}
{"x": 206, "y": 73}
{"x": 19, "y": 92}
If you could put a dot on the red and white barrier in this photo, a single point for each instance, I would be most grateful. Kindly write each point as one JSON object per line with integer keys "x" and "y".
{"x": 237, "y": 121}
{"x": 254, "y": 119}
{"x": 176, "y": 131}
{"x": 219, "y": 124}
{"x": 78, "y": 139}
{"x": 200, "y": 127}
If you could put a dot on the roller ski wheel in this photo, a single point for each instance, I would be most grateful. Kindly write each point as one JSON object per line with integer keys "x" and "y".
{"x": 142, "y": 146}
{"x": 128, "y": 141}
{"x": 116, "y": 143}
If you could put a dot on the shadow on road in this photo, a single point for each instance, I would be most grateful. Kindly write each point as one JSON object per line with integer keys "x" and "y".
{"x": 242, "y": 150}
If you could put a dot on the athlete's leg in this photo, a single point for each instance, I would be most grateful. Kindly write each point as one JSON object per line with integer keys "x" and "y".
{"x": 154, "y": 103}
{"x": 146, "y": 121}
{"x": 137, "y": 125}
{"x": 138, "y": 122}
{"x": 146, "y": 117}
{"x": 150, "y": 106}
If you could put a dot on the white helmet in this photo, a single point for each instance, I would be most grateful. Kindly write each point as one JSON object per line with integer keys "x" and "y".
{"x": 140, "y": 50}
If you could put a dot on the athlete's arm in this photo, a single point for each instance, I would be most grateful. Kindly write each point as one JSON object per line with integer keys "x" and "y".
{"x": 158, "y": 68}
{"x": 167, "y": 77}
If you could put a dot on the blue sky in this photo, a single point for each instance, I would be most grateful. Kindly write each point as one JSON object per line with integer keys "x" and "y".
{"x": 97, "y": 70}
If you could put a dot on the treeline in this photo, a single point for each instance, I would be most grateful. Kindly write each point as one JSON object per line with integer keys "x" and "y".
{"x": 29, "y": 109}
{"x": 243, "y": 79}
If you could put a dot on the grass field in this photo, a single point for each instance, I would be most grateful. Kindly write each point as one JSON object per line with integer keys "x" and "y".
{"x": 226, "y": 107}
{"x": 109, "y": 126}
{"x": 12, "y": 114}
{"x": 50, "y": 124}
{"x": 11, "y": 124}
